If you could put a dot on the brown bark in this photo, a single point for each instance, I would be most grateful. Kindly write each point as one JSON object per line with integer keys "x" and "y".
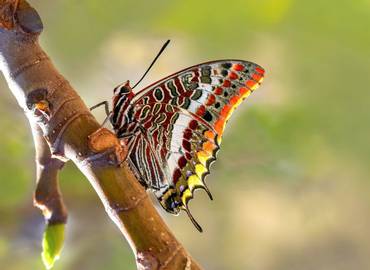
{"x": 47, "y": 195}
{"x": 62, "y": 126}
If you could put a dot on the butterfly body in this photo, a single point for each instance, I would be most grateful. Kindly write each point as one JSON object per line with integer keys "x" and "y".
{"x": 173, "y": 128}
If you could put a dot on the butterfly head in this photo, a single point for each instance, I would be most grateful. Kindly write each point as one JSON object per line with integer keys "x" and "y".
{"x": 122, "y": 89}
{"x": 122, "y": 96}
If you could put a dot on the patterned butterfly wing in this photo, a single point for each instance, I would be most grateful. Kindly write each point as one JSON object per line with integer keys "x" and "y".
{"x": 182, "y": 119}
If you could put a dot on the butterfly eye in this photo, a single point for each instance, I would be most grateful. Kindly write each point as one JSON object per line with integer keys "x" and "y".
{"x": 124, "y": 90}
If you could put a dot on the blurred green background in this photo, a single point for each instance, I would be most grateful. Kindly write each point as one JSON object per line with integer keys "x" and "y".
{"x": 291, "y": 183}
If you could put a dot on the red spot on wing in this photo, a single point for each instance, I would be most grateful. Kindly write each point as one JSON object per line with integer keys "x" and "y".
{"x": 176, "y": 175}
{"x": 218, "y": 91}
{"x": 225, "y": 110}
{"x": 193, "y": 124}
{"x": 238, "y": 67}
{"x": 211, "y": 99}
{"x": 257, "y": 77}
{"x": 201, "y": 110}
{"x": 250, "y": 84}
{"x": 234, "y": 100}
{"x": 187, "y": 134}
{"x": 243, "y": 91}
{"x": 226, "y": 83}
{"x": 186, "y": 145}
{"x": 188, "y": 156}
{"x": 233, "y": 76}
{"x": 182, "y": 162}
{"x": 260, "y": 70}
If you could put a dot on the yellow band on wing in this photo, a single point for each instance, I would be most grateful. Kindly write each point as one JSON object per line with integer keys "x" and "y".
{"x": 193, "y": 182}
{"x": 186, "y": 196}
{"x": 200, "y": 169}
{"x": 203, "y": 156}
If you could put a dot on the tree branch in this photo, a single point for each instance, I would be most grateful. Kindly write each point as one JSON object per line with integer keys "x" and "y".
{"x": 47, "y": 195}
{"x": 70, "y": 132}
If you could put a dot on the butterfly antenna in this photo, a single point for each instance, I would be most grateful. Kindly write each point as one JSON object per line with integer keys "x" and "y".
{"x": 195, "y": 223}
{"x": 155, "y": 59}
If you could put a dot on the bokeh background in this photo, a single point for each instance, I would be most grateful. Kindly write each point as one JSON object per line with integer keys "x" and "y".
{"x": 291, "y": 184}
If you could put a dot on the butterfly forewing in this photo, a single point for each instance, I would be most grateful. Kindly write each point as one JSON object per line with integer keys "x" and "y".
{"x": 181, "y": 121}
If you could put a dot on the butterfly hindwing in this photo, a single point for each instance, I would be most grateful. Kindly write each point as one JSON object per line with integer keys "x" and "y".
{"x": 182, "y": 120}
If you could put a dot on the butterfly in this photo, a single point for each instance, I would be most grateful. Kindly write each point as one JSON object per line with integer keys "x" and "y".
{"x": 173, "y": 128}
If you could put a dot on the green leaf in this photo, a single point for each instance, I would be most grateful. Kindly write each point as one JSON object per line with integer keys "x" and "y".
{"x": 52, "y": 244}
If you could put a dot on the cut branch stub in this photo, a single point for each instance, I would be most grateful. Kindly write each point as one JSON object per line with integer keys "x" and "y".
{"x": 7, "y": 13}
{"x": 14, "y": 13}
{"x": 38, "y": 103}
{"x": 28, "y": 18}
{"x": 104, "y": 140}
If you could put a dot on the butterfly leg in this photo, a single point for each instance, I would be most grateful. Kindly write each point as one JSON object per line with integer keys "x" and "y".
{"x": 107, "y": 112}
{"x": 106, "y": 106}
